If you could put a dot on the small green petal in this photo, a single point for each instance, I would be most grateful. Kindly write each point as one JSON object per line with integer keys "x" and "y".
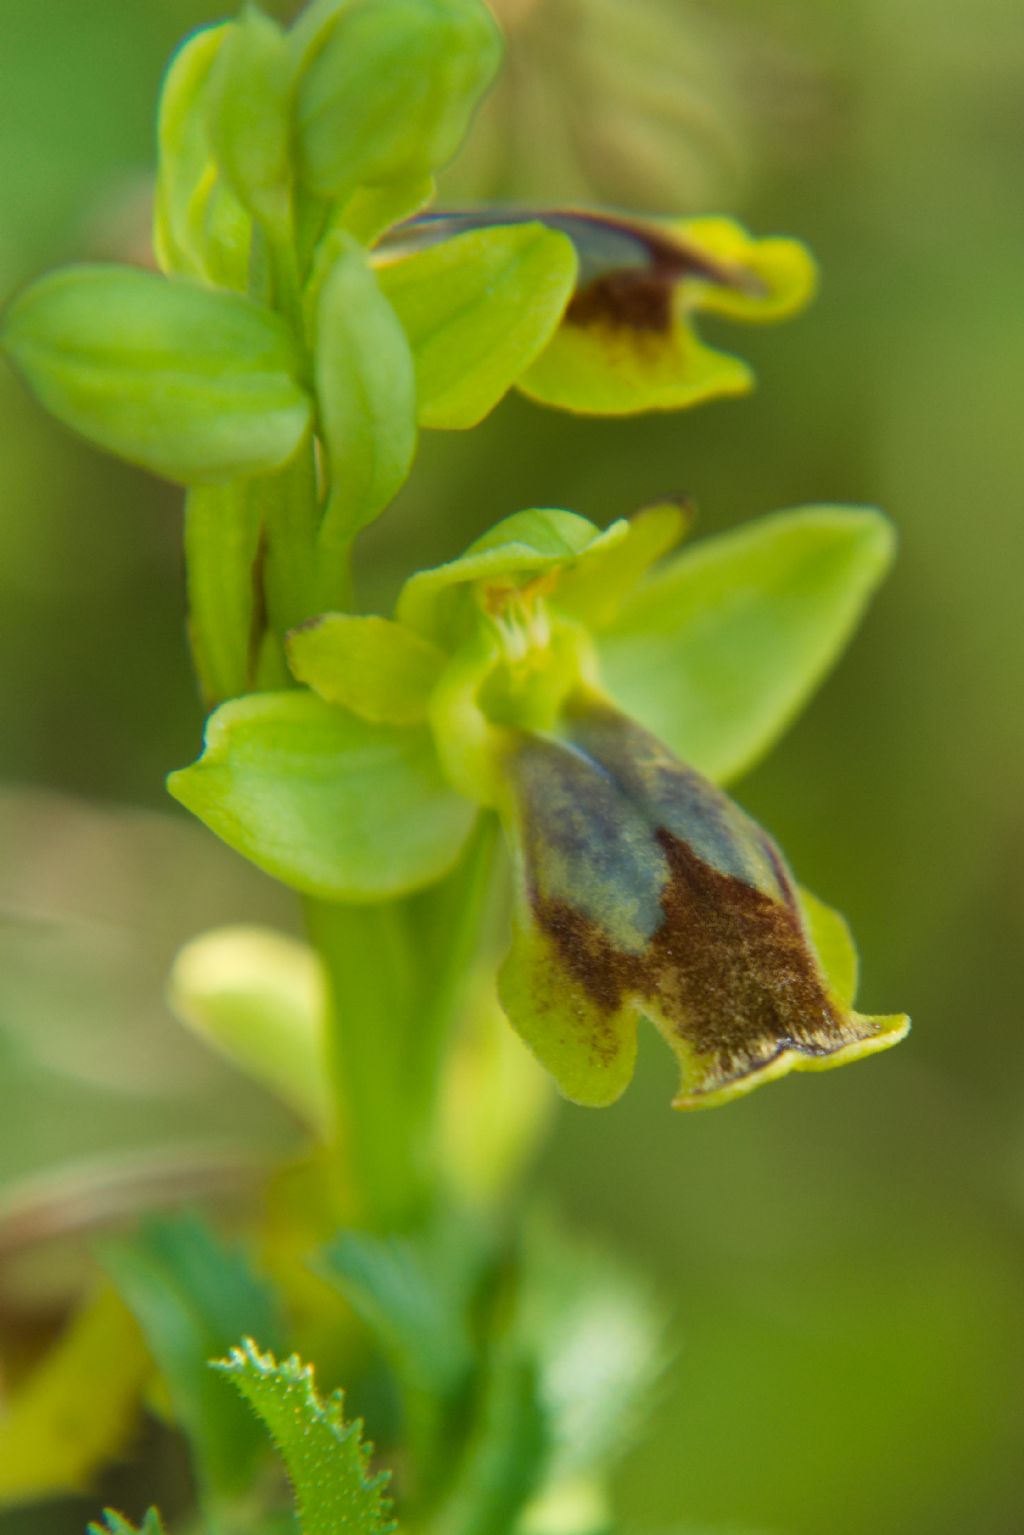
{"x": 326, "y": 802}
{"x": 477, "y": 309}
{"x": 718, "y": 650}
{"x": 833, "y": 944}
{"x": 643, "y": 890}
{"x": 378, "y": 669}
{"x": 595, "y": 589}
{"x": 525, "y": 545}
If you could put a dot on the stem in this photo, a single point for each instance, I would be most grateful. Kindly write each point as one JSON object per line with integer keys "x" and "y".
{"x": 222, "y": 534}
{"x": 291, "y": 515}
{"x": 372, "y": 985}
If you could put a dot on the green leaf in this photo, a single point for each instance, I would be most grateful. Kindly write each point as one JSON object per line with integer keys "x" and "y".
{"x": 387, "y": 87}
{"x": 366, "y": 391}
{"x": 329, "y": 803}
{"x": 250, "y": 115}
{"x": 721, "y": 647}
{"x": 380, "y": 670}
{"x": 506, "y": 1458}
{"x": 258, "y": 997}
{"x": 415, "y": 1293}
{"x": 598, "y": 1335}
{"x": 327, "y": 1461}
{"x": 223, "y": 527}
{"x": 190, "y": 1295}
{"x": 116, "y": 1524}
{"x": 642, "y": 890}
{"x": 189, "y": 383}
{"x": 477, "y": 310}
{"x": 77, "y": 1409}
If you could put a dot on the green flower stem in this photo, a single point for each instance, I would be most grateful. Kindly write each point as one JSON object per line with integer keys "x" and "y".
{"x": 450, "y": 922}
{"x": 222, "y": 534}
{"x": 373, "y": 989}
{"x": 290, "y": 520}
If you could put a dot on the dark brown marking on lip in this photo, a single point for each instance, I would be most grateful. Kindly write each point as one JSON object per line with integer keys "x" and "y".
{"x": 635, "y": 300}
{"x": 728, "y": 972}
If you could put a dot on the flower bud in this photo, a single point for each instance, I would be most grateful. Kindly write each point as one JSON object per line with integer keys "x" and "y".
{"x": 387, "y": 88}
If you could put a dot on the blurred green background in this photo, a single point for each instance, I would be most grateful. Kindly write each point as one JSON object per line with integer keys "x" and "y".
{"x": 844, "y": 1254}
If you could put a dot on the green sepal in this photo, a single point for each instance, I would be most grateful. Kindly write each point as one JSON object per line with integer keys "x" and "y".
{"x": 643, "y": 890}
{"x": 336, "y": 1493}
{"x": 595, "y": 589}
{"x": 628, "y": 343}
{"x": 380, "y": 670}
{"x": 523, "y": 546}
{"x": 327, "y": 802}
{"x": 201, "y": 229}
{"x": 477, "y": 309}
{"x": 190, "y": 1293}
{"x": 116, "y": 1524}
{"x": 76, "y": 1411}
{"x": 386, "y": 88}
{"x": 718, "y": 650}
{"x": 258, "y": 997}
{"x": 366, "y": 391}
{"x": 250, "y": 115}
{"x": 193, "y": 384}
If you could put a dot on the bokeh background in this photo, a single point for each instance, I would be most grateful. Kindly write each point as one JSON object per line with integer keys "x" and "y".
{"x": 843, "y": 1255}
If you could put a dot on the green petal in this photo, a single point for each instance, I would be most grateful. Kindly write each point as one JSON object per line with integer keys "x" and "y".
{"x": 378, "y": 669}
{"x": 525, "y": 545}
{"x": 197, "y": 385}
{"x": 595, "y": 589}
{"x": 641, "y": 889}
{"x": 326, "y": 802}
{"x": 627, "y": 343}
{"x": 477, "y": 309}
{"x": 832, "y": 941}
{"x": 718, "y": 650}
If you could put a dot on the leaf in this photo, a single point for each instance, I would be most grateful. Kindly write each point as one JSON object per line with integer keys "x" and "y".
{"x": 196, "y": 385}
{"x": 507, "y": 1454}
{"x": 380, "y": 670}
{"x": 327, "y": 1461}
{"x": 641, "y": 889}
{"x": 598, "y": 1335}
{"x": 116, "y": 1524}
{"x": 223, "y": 526}
{"x": 190, "y": 1295}
{"x": 477, "y": 310}
{"x": 387, "y": 87}
{"x": 719, "y": 649}
{"x": 258, "y": 997}
{"x": 366, "y": 391}
{"x": 327, "y": 802}
{"x": 75, "y": 1412}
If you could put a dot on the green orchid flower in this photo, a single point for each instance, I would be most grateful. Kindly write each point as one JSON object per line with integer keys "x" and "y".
{"x": 590, "y": 694}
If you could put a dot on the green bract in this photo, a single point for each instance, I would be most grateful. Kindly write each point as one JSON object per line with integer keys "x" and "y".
{"x": 194, "y": 385}
{"x": 640, "y": 888}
